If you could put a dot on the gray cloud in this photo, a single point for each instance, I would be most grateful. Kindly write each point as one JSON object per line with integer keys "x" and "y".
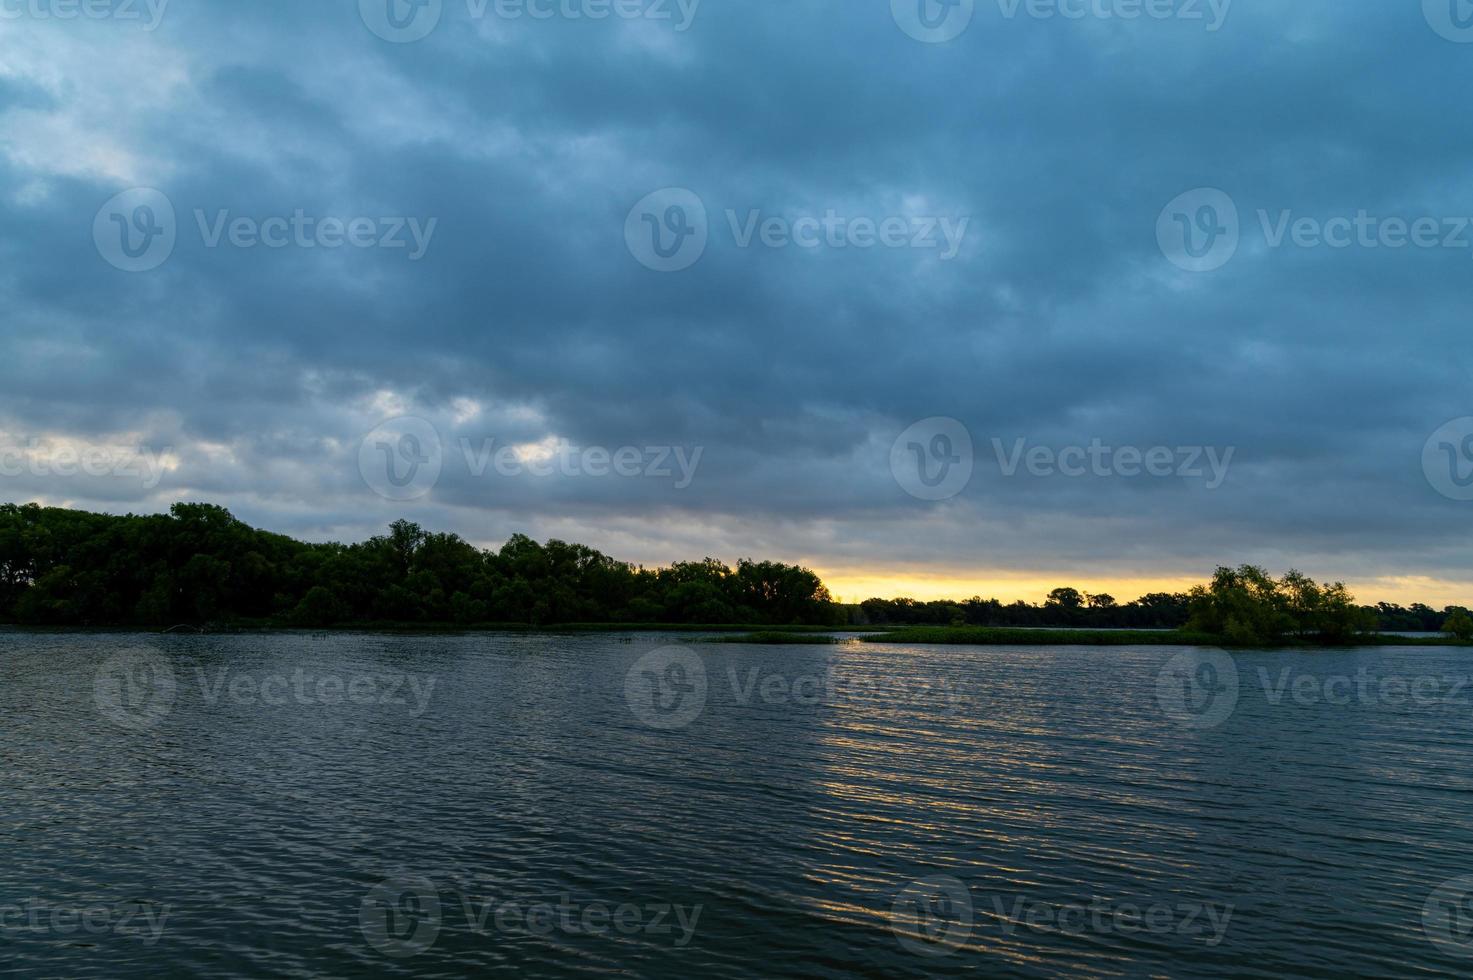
{"x": 1059, "y": 321}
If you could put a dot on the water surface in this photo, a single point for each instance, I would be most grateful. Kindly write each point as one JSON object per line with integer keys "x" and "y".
{"x": 574, "y": 806}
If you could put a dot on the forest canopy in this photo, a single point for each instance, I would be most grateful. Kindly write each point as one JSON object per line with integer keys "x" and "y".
{"x": 198, "y": 564}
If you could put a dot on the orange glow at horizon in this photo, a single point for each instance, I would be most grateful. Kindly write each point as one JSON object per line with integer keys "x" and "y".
{"x": 852, "y": 585}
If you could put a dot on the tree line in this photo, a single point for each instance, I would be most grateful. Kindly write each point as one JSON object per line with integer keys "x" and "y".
{"x": 1246, "y": 606}
{"x": 1064, "y": 607}
{"x": 200, "y": 565}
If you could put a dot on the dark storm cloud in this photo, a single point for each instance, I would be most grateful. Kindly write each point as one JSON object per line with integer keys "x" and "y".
{"x": 1058, "y": 321}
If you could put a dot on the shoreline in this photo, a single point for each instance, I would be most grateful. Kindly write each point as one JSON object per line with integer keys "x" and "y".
{"x": 733, "y": 633}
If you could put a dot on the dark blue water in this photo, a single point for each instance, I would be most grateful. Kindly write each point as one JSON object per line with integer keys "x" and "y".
{"x": 569, "y": 806}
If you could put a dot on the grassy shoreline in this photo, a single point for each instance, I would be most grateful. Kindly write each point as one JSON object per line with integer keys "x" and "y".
{"x": 1019, "y": 636}
{"x": 446, "y": 628}
{"x": 995, "y": 636}
{"x": 775, "y": 635}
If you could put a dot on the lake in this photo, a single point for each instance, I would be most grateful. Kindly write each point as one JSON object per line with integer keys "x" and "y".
{"x": 561, "y": 806}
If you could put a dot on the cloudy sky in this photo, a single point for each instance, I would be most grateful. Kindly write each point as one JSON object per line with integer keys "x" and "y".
{"x": 936, "y": 298}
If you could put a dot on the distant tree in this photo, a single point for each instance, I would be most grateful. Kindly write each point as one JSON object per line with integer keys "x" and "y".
{"x": 1102, "y": 601}
{"x": 1243, "y": 605}
{"x": 1460, "y": 625}
{"x": 319, "y": 607}
{"x": 1066, "y": 598}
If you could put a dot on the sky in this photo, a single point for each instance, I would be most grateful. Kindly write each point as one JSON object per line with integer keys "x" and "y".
{"x": 936, "y": 298}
